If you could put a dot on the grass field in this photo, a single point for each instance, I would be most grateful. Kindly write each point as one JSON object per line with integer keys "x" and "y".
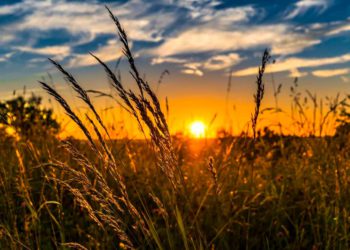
{"x": 259, "y": 190}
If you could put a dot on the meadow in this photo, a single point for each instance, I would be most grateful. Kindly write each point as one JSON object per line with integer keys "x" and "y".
{"x": 258, "y": 190}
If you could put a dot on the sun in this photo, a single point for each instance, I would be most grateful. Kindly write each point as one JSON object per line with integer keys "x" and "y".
{"x": 197, "y": 129}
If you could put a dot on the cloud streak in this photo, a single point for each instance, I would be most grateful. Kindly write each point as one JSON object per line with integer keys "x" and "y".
{"x": 282, "y": 39}
{"x": 106, "y": 53}
{"x": 331, "y": 72}
{"x": 302, "y": 6}
{"x": 49, "y": 50}
{"x": 290, "y": 64}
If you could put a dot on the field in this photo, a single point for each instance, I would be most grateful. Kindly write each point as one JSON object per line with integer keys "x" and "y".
{"x": 258, "y": 190}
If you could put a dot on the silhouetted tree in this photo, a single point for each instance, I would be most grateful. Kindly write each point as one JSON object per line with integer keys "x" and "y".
{"x": 27, "y": 117}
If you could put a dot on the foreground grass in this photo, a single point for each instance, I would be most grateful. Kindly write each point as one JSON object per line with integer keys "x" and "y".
{"x": 284, "y": 193}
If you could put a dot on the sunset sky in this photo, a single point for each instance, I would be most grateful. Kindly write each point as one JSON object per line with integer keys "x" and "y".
{"x": 199, "y": 42}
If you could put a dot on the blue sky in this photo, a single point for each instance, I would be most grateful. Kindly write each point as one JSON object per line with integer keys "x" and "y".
{"x": 199, "y": 41}
{"x": 305, "y": 36}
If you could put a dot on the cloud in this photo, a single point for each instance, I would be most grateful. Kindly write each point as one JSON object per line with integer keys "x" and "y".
{"x": 55, "y": 52}
{"x": 7, "y": 38}
{"x": 195, "y": 5}
{"x": 331, "y": 72}
{"x": 217, "y": 62}
{"x": 38, "y": 60}
{"x": 292, "y": 44}
{"x": 175, "y": 30}
{"x": 6, "y": 57}
{"x": 304, "y": 5}
{"x": 49, "y": 50}
{"x": 215, "y": 29}
{"x": 106, "y": 53}
{"x": 22, "y": 7}
{"x": 160, "y": 60}
{"x": 222, "y": 61}
{"x": 296, "y": 63}
{"x": 193, "y": 69}
{"x": 340, "y": 29}
{"x": 196, "y": 72}
{"x": 92, "y": 19}
{"x": 226, "y": 17}
{"x": 89, "y": 18}
{"x": 280, "y": 37}
{"x": 327, "y": 29}
{"x": 84, "y": 21}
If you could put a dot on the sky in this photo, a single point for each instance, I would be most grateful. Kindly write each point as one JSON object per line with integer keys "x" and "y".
{"x": 200, "y": 42}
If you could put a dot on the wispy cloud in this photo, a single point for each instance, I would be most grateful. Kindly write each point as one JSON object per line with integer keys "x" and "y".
{"x": 302, "y": 6}
{"x": 340, "y": 29}
{"x": 197, "y": 9}
{"x": 107, "y": 53}
{"x": 48, "y": 50}
{"x": 280, "y": 37}
{"x": 6, "y": 57}
{"x": 222, "y": 61}
{"x": 218, "y": 62}
{"x": 84, "y": 21}
{"x": 192, "y": 69}
{"x": 290, "y": 64}
{"x": 88, "y": 18}
{"x": 227, "y": 17}
{"x": 159, "y": 60}
{"x": 331, "y": 72}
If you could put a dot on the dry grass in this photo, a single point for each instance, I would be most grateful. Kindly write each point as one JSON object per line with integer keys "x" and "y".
{"x": 259, "y": 90}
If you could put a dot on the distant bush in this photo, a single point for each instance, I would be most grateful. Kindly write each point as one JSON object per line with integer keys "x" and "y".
{"x": 27, "y": 117}
{"x": 344, "y": 118}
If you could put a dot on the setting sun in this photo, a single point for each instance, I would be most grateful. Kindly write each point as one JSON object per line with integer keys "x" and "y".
{"x": 197, "y": 129}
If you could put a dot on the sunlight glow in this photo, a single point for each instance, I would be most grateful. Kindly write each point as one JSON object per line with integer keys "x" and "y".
{"x": 197, "y": 129}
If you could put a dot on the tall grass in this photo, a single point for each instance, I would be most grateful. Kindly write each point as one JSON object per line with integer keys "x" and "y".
{"x": 259, "y": 90}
